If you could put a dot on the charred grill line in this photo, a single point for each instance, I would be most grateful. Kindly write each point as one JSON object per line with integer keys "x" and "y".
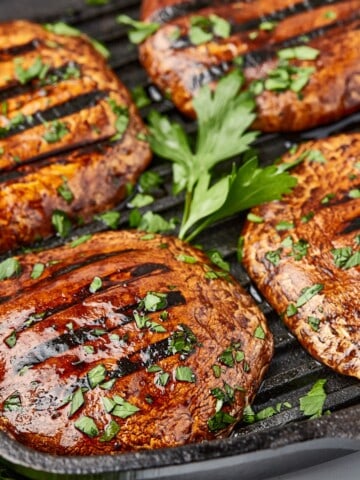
{"x": 5, "y": 53}
{"x": 149, "y": 355}
{"x": 56, "y": 346}
{"x": 74, "y": 338}
{"x": 256, "y": 57}
{"x": 60, "y": 156}
{"x": 277, "y": 16}
{"x": 352, "y": 226}
{"x": 81, "y": 102}
{"x": 15, "y": 88}
{"x": 170, "y": 13}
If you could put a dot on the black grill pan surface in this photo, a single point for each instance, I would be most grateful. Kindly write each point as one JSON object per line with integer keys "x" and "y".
{"x": 281, "y": 443}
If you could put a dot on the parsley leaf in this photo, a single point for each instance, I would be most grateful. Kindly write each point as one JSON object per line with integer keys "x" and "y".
{"x": 139, "y": 31}
{"x": 55, "y": 131}
{"x": 312, "y": 403}
{"x": 61, "y": 28}
{"x": 110, "y": 219}
{"x": 88, "y": 426}
{"x": 9, "y": 268}
{"x": 307, "y": 293}
{"x": 37, "y": 70}
{"x": 61, "y": 223}
{"x": 111, "y": 430}
{"x": 37, "y": 270}
{"x": 223, "y": 118}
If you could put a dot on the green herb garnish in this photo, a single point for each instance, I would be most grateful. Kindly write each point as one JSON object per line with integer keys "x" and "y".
{"x": 223, "y": 117}
{"x": 259, "y": 333}
{"x": 61, "y": 28}
{"x": 9, "y": 268}
{"x": 140, "y": 96}
{"x": 111, "y": 430}
{"x": 95, "y": 285}
{"x": 122, "y": 118}
{"x": 77, "y": 401}
{"x": 61, "y": 223}
{"x": 13, "y": 402}
{"x": 64, "y": 190}
{"x": 11, "y": 339}
{"x": 314, "y": 323}
{"x": 87, "y": 426}
{"x": 274, "y": 256}
{"x": 203, "y": 29}
{"x": 313, "y": 402}
{"x": 307, "y": 293}
{"x": 184, "y": 374}
{"x": 123, "y": 409}
{"x": 96, "y": 375}
{"x": 37, "y": 70}
{"x": 55, "y": 131}
{"x": 80, "y": 240}
{"x": 111, "y": 219}
{"x": 220, "y": 420}
{"x": 139, "y": 31}
{"x": 37, "y": 271}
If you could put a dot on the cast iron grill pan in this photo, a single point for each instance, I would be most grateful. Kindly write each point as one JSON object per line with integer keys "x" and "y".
{"x": 253, "y": 451}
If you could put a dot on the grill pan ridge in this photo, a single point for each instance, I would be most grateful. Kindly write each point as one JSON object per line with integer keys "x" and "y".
{"x": 292, "y": 372}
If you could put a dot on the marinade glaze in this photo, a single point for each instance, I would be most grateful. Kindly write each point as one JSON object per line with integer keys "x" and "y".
{"x": 70, "y": 137}
{"x": 126, "y": 342}
{"x": 304, "y": 256}
{"x": 259, "y": 30}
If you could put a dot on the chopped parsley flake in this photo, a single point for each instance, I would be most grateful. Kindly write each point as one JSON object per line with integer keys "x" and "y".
{"x": 37, "y": 271}
{"x": 307, "y": 217}
{"x": 122, "y": 119}
{"x": 9, "y": 268}
{"x": 354, "y": 193}
{"x": 11, "y": 339}
{"x": 65, "y": 192}
{"x": 139, "y": 31}
{"x": 184, "y": 374}
{"x": 111, "y": 430}
{"x": 254, "y": 218}
{"x": 140, "y": 97}
{"x": 61, "y": 223}
{"x": 37, "y": 70}
{"x": 314, "y": 323}
{"x": 96, "y": 375}
{"x": 13, "y": 402}
{"x": 110, "y": 219}
{"x": 284, "y": 225}
{"x": 55, "y": 131}
{"x": 123, "y": 409}
{"x": 87, "y": 426}
{"x": 291, "y": 310}
{"x": 300, "y": 249}
{"x": 95, "y": 285}
{"x": 307, "y": 293}
{"x": 274, "y": 256}
{"x": 186, "y": 258}
{"x": 259, "y": 333}
{"x": 80, "y": 240}
{"x": 313, "y": 402}
{"x": 220, "y": 420}
{"x": 77, "y": 401}
{"x": 203, "y": 29}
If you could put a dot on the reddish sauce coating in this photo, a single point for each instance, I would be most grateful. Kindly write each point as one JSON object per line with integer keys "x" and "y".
{"x": 306, "y": 241}
{"x": 161, "y": 334}
{"x": 179, "y": 67}
{"x": 60, "y": 130}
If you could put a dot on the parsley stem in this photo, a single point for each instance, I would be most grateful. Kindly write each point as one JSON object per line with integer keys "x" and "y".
{"x": 187, "y": 206}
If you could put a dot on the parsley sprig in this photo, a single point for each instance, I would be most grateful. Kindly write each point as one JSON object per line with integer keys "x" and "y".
{"x": 223, "y": 119}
